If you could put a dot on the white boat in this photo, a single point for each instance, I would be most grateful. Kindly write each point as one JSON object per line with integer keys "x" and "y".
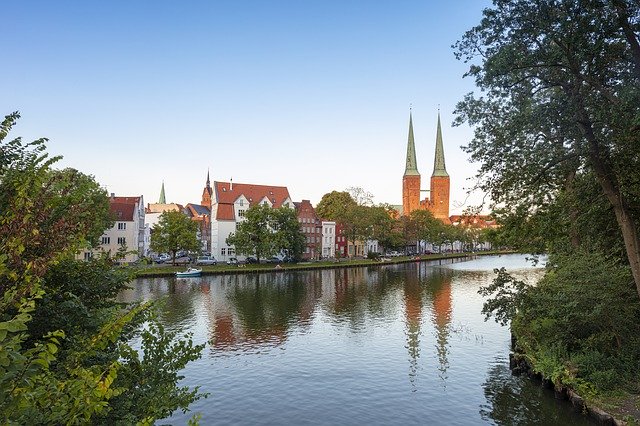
{"x": 190, "y": 272}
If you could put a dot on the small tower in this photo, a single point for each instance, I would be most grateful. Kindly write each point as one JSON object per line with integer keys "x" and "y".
{"x": 440, "y": 184}
{"x": 162, "y": 199}
{"x": 206, "y": 193}
{"x": 411, "y": 178}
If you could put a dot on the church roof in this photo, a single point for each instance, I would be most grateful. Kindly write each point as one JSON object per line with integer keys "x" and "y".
{"x": 162, "y": 199}
{"x": 411, "y": 168}
{"x": 439, "y": 168}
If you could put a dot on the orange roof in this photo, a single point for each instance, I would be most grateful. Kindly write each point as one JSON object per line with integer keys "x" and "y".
{"x": 226, "y": 195}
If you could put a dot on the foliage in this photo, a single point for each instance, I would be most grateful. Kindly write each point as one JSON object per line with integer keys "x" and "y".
{"x": 335, "y": 205}
{"x": 266, "y": 232}
{"x": 559, "y": 113}
{"x": 62, "y": 335}
{"x": 290, "y": 239}
{"x": 580, "y": 324}
{"x": 174, "y": 232}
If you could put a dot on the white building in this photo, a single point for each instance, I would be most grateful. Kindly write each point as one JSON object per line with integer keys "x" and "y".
{"x": 128, "y": 230}
{"x": 328, "y": 239}
{"x": 230, "y": 201}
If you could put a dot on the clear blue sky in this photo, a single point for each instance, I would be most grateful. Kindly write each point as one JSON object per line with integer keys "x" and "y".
{"x": 313, "y": 95}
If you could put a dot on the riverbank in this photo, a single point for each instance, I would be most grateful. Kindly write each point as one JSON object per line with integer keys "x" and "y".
{"x": 222, "y": 269}
{"x": 577, "y": 329}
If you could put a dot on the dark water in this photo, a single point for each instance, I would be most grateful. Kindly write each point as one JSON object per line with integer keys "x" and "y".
{"x": 400, "y": 344}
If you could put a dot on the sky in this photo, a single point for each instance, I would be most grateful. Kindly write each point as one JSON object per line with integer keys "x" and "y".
{"x": 312, "y": 95}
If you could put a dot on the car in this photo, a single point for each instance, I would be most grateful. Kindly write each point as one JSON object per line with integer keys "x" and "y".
{"x": 251, "y": 260}
{"x": 206, "y": 260}
{"x": 232, "y": 261}
{"x": 274, "y": 259}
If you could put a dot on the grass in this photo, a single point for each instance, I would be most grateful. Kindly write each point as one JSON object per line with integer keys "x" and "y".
{"x": 221, "y": 268}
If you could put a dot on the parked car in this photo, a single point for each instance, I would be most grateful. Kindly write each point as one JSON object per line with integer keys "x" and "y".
{"x": 232, "y": 261}
{"x": 274, "y": 259}
{"x": 251, "y": 260}
{"x": 206, "y": 260}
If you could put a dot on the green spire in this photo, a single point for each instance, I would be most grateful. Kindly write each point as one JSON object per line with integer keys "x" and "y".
{"x": 439, "y": 168}
{"x": 412, "y": 166}
{"x": 162, "y": 199}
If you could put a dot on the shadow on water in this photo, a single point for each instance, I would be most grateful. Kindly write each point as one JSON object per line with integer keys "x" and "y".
{"x": 519, "y": 400}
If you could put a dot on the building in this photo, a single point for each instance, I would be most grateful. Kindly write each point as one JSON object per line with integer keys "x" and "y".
{"x": 230, "y": 201}
{"x": 438, "y": 202}
{"x": 341, "y": 241}
{"x": 311, "y": 227}
{"x": 128, "y": 231}
{"x": 328, "y": 239}
{"x": 201, "y": 213}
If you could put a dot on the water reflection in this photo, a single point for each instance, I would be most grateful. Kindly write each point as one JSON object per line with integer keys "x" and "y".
{"x": 376, "y": 342}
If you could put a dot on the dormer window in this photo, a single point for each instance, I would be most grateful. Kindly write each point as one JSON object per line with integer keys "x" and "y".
{"x": 241, "y": 202}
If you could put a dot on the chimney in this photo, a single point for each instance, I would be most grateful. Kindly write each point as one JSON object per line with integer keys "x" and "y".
{"x": 113, "y": 195}
{"x": 231, "y": 184}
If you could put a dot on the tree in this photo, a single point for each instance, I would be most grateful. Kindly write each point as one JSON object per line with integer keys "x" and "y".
{"x": 560, "y": 106}
{"x": 63, "y": 350}
{"x": 174, "y": 232}
{"x": 335, "y": 205}
{"x": 290, "y": 239}
{"x": 254, "y": 235}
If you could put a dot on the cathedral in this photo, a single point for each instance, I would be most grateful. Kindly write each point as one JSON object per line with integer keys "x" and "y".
{"x": 438, "y": 201}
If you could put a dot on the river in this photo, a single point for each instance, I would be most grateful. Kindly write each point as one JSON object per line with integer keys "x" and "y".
{"x": 398, "y": 344}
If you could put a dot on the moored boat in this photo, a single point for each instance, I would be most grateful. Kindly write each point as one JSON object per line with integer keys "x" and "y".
{"x": 190, "y": 272}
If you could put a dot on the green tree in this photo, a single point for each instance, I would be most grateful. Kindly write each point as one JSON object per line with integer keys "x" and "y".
{"x": 174, "y": 232}
{"x": 290, "y": 239}
{"x": 560, "y": 105}
{"x": 63, "y": 350}
{"x": 335, "y": 206}
{"x": 255, "y": 235}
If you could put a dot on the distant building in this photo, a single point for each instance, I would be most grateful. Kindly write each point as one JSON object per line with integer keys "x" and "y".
{"x": 229, "y": 203}
{"x": 341, "y": 241}
{"x": 328, "y": 239}
{"x": 128, "y": 231}
{"x": 311, "y": 226}
{"x": 438, "y": 202}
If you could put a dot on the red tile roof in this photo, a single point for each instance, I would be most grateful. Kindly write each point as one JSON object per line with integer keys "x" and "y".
{"x": 226, "y": 195}
{"x": 131, "y": 200}
{"x": 122, "y": 212}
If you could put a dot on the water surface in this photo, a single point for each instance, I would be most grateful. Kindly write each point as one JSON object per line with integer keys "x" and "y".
{"x": 398, "y": 344}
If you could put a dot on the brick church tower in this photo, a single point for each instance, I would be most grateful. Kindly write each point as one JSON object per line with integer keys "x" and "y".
{"x": 440, "y": 184}
{"x": 438, "y": 203}
{"x": 206, "y": 193}
{"x": 411, "y": 178}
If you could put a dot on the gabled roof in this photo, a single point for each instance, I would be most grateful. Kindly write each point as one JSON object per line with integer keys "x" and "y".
{"x": 225, "y": 212}
{"x": 226, "y": 195}
{"x": 122, "y": 212}
{"x": 131, "y": 200}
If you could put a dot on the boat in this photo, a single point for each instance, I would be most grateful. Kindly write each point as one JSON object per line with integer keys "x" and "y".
{"x": 190, "y": 272}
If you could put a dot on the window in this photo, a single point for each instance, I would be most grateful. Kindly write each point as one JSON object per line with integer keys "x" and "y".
{"x": 241, "y": 203}
{"x": 122, "y": 240}
{"x": 231, "y": 251}
{"x": 87, "y": 256}
{"x": 223, "y": 251}
{"x": 106, "y": 240}
{"x": 122, "y": 225}
{"x": 241, "y": 213}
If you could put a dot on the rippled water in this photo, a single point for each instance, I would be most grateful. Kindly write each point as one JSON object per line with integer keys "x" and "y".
{"x": 398, "y": 344}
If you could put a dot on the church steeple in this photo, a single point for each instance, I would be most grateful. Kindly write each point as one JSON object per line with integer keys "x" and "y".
{"x": 411, "y": 168}
{"x": 439, "y": 168}
{"x": 208, "y": 181}
{"x": 162, "y": 199}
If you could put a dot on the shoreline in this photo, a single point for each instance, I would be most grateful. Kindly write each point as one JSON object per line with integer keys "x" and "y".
{"x": 169, "y": 271}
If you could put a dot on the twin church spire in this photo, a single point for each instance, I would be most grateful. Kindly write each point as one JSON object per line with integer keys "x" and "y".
{"x": 438, "y": 202}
